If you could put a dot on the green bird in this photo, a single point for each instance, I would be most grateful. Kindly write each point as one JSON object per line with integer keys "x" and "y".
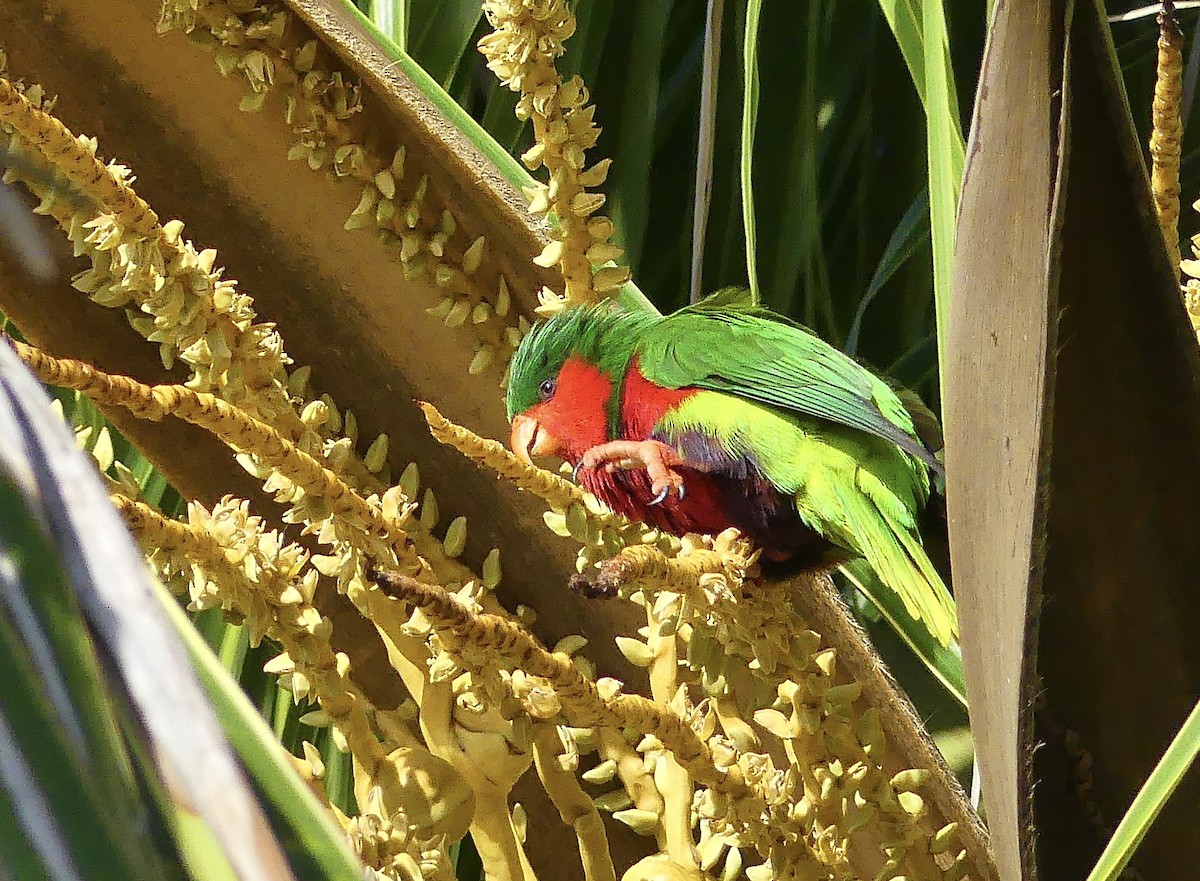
{"x": 727, "y": 414}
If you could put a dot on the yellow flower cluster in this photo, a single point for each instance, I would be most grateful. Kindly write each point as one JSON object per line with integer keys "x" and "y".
{"x": 474, "y": 751}
{"x": 268, "y": 47}
{"x": 187, "y": 309}
{"x": 760, "y": 667}
{"x": 527, "y": 38}
{"x": 387, "y": 840}
{"x": 177, "y": 298}
{"x": 1166, "y": 138}
{"x": 227, "y": 557}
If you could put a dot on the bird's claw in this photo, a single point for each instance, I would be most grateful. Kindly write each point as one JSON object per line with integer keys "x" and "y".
{"x": 665, "y": 492}
{"x": 654, "y": 456}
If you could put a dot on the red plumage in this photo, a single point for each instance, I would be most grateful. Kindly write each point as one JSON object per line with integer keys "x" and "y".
{"x": 628, "y": 492}
{"x": 577, "y": 414}
{"x": 578, "y": 417}
{"x": 643, "y": 404}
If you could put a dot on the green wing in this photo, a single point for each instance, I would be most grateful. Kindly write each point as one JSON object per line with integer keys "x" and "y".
{"x": 857, "y": 490}
{"x": 748, "y": 351}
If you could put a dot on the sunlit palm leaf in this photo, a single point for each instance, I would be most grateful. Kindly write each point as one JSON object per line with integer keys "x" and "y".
{"x": 1150, "y": 801}
{"x": 305, "y": 828}
{"x": 116, "y": 598}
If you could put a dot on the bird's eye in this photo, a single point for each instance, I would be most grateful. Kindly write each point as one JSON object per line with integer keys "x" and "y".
{"x": 546, "y": 389}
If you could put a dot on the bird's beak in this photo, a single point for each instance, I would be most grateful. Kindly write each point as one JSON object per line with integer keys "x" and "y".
{"x": 530, "y": 439}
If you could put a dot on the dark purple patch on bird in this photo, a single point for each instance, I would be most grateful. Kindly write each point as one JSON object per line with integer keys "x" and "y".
{"x": 722, "y": 491}
{"x": 753, "y": 504}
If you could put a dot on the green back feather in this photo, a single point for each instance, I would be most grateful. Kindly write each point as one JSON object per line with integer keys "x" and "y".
{"x": 751, "y": 352}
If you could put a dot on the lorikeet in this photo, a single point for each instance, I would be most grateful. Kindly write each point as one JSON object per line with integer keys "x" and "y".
{"x": 726, "y": 414}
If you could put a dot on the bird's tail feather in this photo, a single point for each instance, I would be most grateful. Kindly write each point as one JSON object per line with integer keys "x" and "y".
{"x": 901, "y": 563}
{"x": 945, "y": 608}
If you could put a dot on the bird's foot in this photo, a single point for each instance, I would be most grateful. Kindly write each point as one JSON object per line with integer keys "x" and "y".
{"x": 657, "y": 458}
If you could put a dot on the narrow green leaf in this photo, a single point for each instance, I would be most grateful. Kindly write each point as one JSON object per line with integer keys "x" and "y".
{"x": 705, "y": 144}
{"x": 33, "y": 841}
{"x": 59, "y": 725}
{"x": 920, "y": 31}
{"x": 235, "y": 643}
{"x": 799, "y": 160}
{"x": 945, "y": 664}
{"x": 212, "y": 625}
{"x": 65, "y": 813}
{"x": 53, "y": 627}
{"x": 583, "y": 50}
{"x": 725, "y": 251}
{"x": 441, "y": 33}
{"x": 946, "y": 157}
{"x": 501, "y": 123}
{"x": 918, "y": 365}
{"x": 260, "y": 687}
{"x": 153, "y": 484}
{"x": 629, "y": 184}
{"x": 18, "y": 856}
{"x": 309, "y": 835}
{"x": 109, "y": 577}
{"x": 339, "y": 775}
{"x": 749, "y": 121}
{"x": 199, "y": 848}
{"x": 195, "y": 852}
{"x": 1150, "y": 800}
{"x": 391, "y": 17}
{"x": 284, "y": 716}
{"x": 905, "y": 20}
{"x": 910, "y": 234}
